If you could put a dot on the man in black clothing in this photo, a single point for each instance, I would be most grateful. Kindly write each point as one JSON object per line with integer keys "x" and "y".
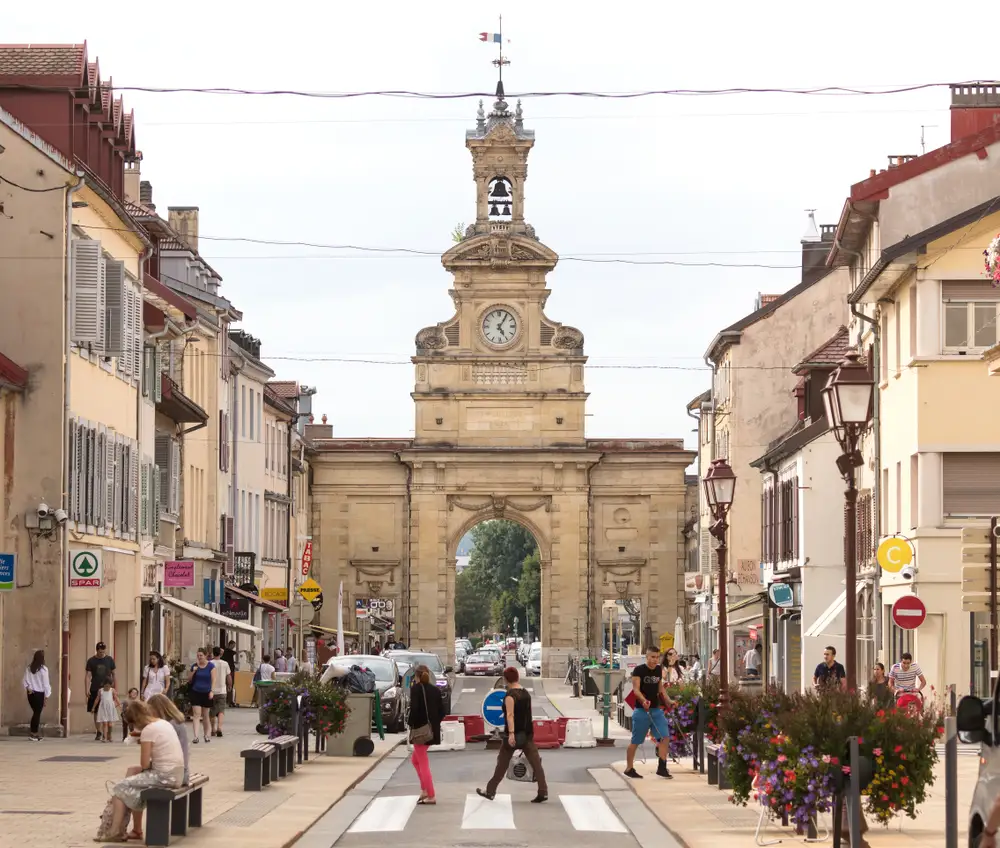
{"x": 650, "y": 698}
{"x": 519, "y": 735}
{"x": 100, "y": 667}
{"x": 229, "y": 655}
{"x": 830, "y": 672}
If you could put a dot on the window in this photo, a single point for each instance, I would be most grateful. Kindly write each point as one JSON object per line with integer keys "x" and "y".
{"x": 243, "y": 520}
{"x": 256, "y": 523}
{"x": 897, "y": 320}
{"x": 899, "y": 496}
{"x": 970, "y": 484}
{"x": 243, "y": 411}
{"x": 914, "y": 491}
{"x": 260, "y": 416}
{"x": 885, "y": 497}
{"x": 253, "y": 418}
{"x": 970, "y": 324}
{"x": 88, "y": 286}
{"x": 168, "y": 460}
{"x": 884, "y": 369}
{"x": 267, "y": 447}
{"x": 913, "y": 320}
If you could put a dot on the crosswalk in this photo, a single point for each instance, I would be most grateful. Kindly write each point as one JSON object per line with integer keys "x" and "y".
{"x": 585, "y": 813}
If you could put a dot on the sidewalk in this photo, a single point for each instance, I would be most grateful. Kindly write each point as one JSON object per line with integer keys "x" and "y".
{"x": 701, "y": 816}
{"x": 560, "y": 695}
{"x": 51, "y": 797}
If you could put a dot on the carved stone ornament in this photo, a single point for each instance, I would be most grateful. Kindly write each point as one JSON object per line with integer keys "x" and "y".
{"x": 375, "y": 570}
{"x": 431, "y": 338}
{"x": 618, "y": 569}
{"x": 568, "y": 338}
{"x": 497, "y": 504}
{"x": 470, "y": 231}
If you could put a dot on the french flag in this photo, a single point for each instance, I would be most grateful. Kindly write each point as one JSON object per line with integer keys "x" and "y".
{"x": 491, "y": 36}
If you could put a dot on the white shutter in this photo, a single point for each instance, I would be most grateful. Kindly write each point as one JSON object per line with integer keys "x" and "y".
{"x": 115, "y": 312}
{"x": 109, "y": 479}
{"x": 86, "y": 456}
{"x": 157, "y": 371}
{"x": 74, "y": 464}
{"x": 154, "y": 513}
{"x": 87, "y": 284}
{"x": 100, "y": 475}
{"x": 133, "y": 505}
{"x": 144, "y": 500}
{"x": 163, "y": 471}
{"x": 116, "y": 521}
{"x": 175, "y": 477}
{"x": 136, "y": 333}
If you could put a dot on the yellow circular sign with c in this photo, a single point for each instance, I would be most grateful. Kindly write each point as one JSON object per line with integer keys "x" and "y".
{"x": 894, "y": 553}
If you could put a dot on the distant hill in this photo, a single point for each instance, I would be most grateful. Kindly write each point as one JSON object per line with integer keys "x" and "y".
{"x": 466, "y": 545}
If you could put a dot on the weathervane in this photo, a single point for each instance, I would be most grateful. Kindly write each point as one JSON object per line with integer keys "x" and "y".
{"x": 497, "y": 38}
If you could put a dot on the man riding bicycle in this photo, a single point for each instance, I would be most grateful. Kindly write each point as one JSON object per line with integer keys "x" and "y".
{"x": 903, "y": 678}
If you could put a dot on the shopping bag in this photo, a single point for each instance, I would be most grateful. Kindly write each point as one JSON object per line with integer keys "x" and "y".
{"x": 520, "y": 769}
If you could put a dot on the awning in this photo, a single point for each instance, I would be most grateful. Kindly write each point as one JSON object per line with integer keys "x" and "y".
{"x": 820, "y": 625}
{"x": 256, "y": 599}
{"x": 333, "y": 632}
{"x": 758, "y": 598}
{"x": 210, "y": 617}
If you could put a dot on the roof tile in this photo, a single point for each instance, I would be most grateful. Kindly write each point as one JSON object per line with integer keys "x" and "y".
{"x": 284, "y": 388}
{"x": 43, "y": 59}
{"x": 829, "y": 354}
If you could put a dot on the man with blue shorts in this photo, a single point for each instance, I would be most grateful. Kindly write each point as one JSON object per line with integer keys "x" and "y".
{"x": 650, "y": 696}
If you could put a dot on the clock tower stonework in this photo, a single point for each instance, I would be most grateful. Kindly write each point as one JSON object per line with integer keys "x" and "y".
{"x": 499, "y": 401}
{"x": 499, "y": 371}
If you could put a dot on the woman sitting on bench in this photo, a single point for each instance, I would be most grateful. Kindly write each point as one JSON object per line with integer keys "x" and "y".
{"x": 161, "y": 764}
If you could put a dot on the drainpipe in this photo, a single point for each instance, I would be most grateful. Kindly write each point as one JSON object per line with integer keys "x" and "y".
{"x": 406, "y": 560}
{"x": 67, "y": 407}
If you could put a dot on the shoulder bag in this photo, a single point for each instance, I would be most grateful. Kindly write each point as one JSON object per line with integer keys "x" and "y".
{"x": 424, "y": 734}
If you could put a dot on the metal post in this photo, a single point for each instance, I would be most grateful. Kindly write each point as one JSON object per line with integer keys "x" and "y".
{"x": 993, "y": 596}
{"x": 607, "y": 700}
{"x": 854, "y": 795}
{"x": 723, "y": 621}
{"x": 850, "y": 580}
{"x": 951, "y": 782}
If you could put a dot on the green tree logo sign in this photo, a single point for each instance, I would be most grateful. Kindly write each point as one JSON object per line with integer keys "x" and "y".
{"x": 85, "y": 570}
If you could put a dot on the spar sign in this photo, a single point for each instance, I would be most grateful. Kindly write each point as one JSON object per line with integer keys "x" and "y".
{"x": 307, "y": 558}
{"x": 86, "y": 569}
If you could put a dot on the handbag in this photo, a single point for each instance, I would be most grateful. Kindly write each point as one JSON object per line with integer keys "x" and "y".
{"x": 520, "y": 769}
{"x": 424, "y": 734}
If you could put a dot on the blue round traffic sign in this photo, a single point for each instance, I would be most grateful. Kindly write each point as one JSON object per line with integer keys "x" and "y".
{"x": 493, "y": 707}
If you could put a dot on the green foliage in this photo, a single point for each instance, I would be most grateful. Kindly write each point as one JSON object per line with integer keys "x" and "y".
{"x": 179, "y": 690}
{"x": 325, "y": 708}
{"x": 472, "y": 600}
{"x": 458, "y": 233}
{"x": 529, "y": 590}
{"x": 500, "y": 549}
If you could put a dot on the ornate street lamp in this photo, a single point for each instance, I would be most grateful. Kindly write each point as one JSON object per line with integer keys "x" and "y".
{"x": 720, "y": 487}
{"x": 848, "y": 399}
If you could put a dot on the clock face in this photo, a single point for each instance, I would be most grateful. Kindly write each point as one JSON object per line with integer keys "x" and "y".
{"x": 499, "y": 326}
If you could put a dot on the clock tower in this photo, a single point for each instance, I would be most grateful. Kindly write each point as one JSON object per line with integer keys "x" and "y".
{"x": 499, "y": 372}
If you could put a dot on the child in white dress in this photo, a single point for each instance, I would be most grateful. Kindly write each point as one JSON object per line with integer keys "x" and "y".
{"x": 107, "y": 709}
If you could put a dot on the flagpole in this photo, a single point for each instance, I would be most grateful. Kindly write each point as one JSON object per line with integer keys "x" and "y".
{"x": 500, "y": 33}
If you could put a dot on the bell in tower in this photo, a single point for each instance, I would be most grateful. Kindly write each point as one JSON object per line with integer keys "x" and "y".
{"x": 500, "y": 199}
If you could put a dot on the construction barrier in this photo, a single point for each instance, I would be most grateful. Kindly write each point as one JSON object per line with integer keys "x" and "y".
{"x": 561, "y": 723}
{"x": 580, "y": 734}
{"x": 546, "y": 733}
{"x": 475, "y": 728}
{"x": 452, "y": 737}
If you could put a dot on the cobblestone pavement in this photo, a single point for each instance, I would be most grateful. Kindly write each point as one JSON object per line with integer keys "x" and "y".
{"x": 50, "y": 797}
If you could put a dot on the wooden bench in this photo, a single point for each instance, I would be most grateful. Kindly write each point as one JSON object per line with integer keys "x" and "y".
{"x": 258, "y": 762}
{"x": 170, "y": 812}
{"x": 285, "y": 746}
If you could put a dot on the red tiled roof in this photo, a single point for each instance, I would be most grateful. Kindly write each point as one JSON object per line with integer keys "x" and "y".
{"x": 12, "y": 374}
{"x": 284, "y": 388}
{"x": 829, "y": 354}
{"x": 43, "y": 60}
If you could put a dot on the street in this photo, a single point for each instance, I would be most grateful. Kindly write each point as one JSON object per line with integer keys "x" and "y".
{"x": 586, "y": 798}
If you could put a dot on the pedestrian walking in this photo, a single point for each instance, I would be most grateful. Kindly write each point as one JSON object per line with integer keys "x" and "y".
{"x": 280, "y": 663}
{"x": 99, "y": 667}
{"x": 715, "y": 663}
{"x": 650, "y": 698}
{"x": 108, "y": 708}
{"x": 751, "y": 661}
{"x": 232, "y": 660}
{"x": 222, "y": 681}
{"x": 155, "y": 676}
{"x": 39, "y": 689}
{"x": 306, "y": 667}
{"x": 202, "y": 684}
{"x": 519, "y": 735}
{"x": 426, "y": 712}
{"x": 292, "y": 663}
{"x": 133, "y": 695}
{"x": 830, "y": 672}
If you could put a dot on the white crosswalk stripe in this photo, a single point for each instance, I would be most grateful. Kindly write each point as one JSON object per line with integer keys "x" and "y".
{"x": 591, "y": 813}
{"x": 586, "y": 814}
{"x": 388, "y": 813}
{"x": 480, "y": 814}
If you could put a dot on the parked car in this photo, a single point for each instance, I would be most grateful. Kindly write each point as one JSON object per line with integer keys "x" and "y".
{"x": 495, "y": 655}
{"x": 388, "y": 682}
{"x": 534, "y": 666}
{"x": 408, "y": 659}
{"x": 480, "y": 665}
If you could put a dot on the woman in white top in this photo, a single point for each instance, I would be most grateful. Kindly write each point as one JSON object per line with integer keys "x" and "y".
{"x": 36, "y": 684}
{"x": 161, "y": 763}
{"x": 155, "y": 677}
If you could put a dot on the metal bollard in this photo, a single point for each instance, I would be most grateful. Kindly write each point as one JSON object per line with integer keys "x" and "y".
{"x": 951, "y": 781}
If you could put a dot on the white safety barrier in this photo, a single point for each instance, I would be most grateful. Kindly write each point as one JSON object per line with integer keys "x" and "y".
{"x": 452, "y": 737}
{"x": 580, "y": 734}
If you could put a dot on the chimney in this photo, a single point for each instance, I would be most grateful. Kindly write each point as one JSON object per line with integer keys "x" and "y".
{"x": 318, "y": 431}
{"x": 184, "y": 220}
{"x": 132, "y": 183}
{"x": 974, "y": 107}
{"x": 146, "y": 194}
{"x": 816, "y": 244}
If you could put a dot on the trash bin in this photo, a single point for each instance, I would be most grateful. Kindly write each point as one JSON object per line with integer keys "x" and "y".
{"x": 357, "y": 727}
{"x": 589, "y": 686}
{"x": 262, "y": 695}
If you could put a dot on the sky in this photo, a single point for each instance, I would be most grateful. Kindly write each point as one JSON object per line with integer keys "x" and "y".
{"x": 722, "y": 180}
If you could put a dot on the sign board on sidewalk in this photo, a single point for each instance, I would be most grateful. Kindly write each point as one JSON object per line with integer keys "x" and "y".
{"x": 178, "y": 574}
{"x": 909, "y": 612}
{"x": 8, "y": 563}
{"x": 310, "y": 590}
{"x": 493, "y": 707}
{"x": 86, "y": 568}
{"x": 894, "y": 553}
{"x": 361, "y": 608}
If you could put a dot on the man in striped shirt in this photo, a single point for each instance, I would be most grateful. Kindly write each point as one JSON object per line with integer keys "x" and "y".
{"x": 904, "y": 675}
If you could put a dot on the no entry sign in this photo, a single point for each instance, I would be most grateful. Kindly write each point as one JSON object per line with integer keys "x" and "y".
{"x": 909, "y": 612}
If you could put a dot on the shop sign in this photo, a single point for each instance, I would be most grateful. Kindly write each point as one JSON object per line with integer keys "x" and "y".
{"x": 178, "y": 574}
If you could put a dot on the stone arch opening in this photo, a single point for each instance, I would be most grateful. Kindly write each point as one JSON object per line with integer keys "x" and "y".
{"x": 499, "y": 575}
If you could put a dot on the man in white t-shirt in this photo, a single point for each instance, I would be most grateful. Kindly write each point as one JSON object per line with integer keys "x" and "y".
{"x": 223, "y": 680}
{"x": 903, "y": 676}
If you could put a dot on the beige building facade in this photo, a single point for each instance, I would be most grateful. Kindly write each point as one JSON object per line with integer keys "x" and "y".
{"x": 499, "y": 401}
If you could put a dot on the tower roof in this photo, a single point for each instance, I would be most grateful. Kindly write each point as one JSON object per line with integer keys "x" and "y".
{"x": 500, "y": 115}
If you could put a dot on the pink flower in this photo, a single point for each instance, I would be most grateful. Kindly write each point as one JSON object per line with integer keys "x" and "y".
{"x": 782, "y": 758}
{"x": 826, "y": 758}
{"x": 846, "y": 769}
{"x": 877, "y": 752}
{"x": 897, "y": 749}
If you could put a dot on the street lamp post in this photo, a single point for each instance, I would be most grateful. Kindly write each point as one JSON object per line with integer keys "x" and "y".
{"x": 720, "y": 486}
{"x": 848, "y": 399}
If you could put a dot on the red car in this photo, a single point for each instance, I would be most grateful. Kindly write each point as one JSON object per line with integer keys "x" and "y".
{"x": 479, "y": 664}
